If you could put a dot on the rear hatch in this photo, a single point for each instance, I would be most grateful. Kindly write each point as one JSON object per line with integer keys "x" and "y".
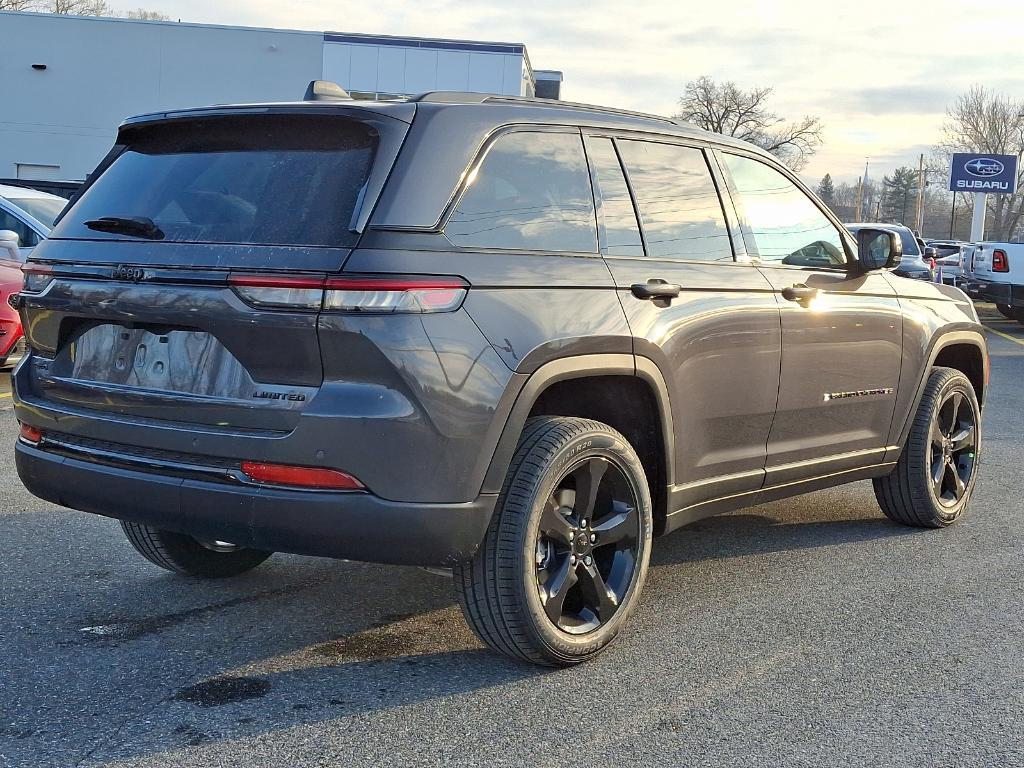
{"x": 184, "y": 283}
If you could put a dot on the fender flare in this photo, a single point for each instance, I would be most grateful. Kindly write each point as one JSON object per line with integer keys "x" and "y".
{"x": 939, "y": 342}
{"x": 578, "y": 367}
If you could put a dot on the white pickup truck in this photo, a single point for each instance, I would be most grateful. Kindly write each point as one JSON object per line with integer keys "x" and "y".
{"x": 998, "y": 276}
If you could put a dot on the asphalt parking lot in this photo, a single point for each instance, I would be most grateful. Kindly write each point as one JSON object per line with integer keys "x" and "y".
{"x": 808, "y": 632}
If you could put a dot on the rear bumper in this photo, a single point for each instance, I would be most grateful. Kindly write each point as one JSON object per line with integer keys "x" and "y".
{"x": 997, "y": 293}
{"x": 354, "y": 526}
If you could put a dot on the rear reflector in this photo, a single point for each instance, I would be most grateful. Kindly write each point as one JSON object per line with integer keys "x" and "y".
{"x": 303, "y": 477}
{"x": 383, "y": 295}
{"x": 30, "y": 434}
{"x": 1000, "y": 263}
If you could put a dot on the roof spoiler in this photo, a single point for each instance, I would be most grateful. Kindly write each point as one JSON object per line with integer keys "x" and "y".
{"x": 325, "y": 90}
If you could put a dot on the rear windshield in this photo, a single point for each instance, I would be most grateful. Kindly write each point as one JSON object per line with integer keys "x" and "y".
{"x": 42, "y": 209}
{"x": 257, "y": 179}
{"x": 910, "y": 246}
{"x": 947, "y": 250}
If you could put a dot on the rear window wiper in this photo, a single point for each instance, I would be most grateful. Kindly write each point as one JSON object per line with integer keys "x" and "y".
{"x": 136, "y": 226}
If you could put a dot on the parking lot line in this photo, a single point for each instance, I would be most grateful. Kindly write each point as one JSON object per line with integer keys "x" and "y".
{"x": 5, "y": 394}
{"x": 1006, "y": 336}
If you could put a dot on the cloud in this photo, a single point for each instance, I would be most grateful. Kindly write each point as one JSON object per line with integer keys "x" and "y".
{"x": 879, "y": 74}
{"x": 909, "y": 99}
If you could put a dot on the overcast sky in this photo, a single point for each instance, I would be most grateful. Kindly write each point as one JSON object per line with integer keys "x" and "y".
{"x": 879, "y": 74}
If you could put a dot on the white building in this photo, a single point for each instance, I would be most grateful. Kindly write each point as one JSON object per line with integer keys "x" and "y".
{"x": 66, "y": 82}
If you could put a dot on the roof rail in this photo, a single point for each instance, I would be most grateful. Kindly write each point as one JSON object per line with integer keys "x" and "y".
{"x": 451, "y": 97}
{"x": 578, "y": 106}
{"x": 325, "y": 90}
{"x": 460, "y": 97}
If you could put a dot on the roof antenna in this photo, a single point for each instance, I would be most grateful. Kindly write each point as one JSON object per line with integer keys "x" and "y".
{"x": 325, "y": 90}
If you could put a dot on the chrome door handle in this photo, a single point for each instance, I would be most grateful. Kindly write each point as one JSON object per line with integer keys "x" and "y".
{"x": 799, "y": 292}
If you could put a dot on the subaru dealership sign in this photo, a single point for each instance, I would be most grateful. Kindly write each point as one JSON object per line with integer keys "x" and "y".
{"x": 983, "y": 173}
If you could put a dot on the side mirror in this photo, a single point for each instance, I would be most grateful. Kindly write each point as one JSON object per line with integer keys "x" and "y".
{"x": 878, "y": 249}
{"x": 9, "y": 242}
{"x": 931, "y": 253}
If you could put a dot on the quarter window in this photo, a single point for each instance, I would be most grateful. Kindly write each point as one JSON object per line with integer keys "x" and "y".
{"x": 786, "y": 226}
{"x": 532, "y": 192}
{"x": 619, "y": 233}
{"x": 679, "y": 205}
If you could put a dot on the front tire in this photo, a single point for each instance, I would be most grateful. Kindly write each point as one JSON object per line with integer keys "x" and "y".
{"x": 1006, "y": 311}
{"x": 934, "y": 477}
{"x": 188, "y": 556}
{"x": 565, "y": 557}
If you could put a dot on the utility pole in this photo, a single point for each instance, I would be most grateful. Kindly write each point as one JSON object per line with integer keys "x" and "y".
{"x": 860, "y": 199}
{"x": 919, "y": 218}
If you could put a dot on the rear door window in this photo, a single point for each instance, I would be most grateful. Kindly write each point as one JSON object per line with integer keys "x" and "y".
{"x": 531, "y": 192}
{"x": 267, "y": 180}
{"x": 679, "y": 204}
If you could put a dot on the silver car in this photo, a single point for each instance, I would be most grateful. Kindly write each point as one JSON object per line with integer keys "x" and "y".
{"x": 28, "y": 214}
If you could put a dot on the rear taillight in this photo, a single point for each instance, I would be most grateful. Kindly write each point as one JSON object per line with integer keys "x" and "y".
{"x": 301, "y": 477}
{"x": 415, "y": 295}
{"x": 30, "y": 434}
{"x": 1000, "y": 263}
{"x": 279, "y": 291}
{"x": 381, "y": 295}
{"x": 36, "y": 277}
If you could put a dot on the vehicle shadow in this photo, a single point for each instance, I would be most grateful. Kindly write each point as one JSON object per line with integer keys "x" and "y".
{"x": 302, "y": 640}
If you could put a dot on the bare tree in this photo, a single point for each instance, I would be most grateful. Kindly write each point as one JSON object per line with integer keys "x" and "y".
{"x": 143, "y": 15}
{"x": 17, "y": 5}
{"x": 982, "y": 120}
{"x": 726, "y": 108}
{"x": 75, "y": 7}
{"x": 80, "y": 8}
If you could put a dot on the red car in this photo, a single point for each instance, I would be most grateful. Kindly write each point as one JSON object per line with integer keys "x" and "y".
{"x": 26, "y": 217}
{"x": 12, "y": 341}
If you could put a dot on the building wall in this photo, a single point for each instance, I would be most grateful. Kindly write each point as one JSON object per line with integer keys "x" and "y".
{"x": 59, "y": 122}
{"x": 99, "y": 71}
{"x": 375, "y": 64}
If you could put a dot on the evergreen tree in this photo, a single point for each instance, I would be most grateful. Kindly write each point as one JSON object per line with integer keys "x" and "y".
{"x": 827, "y": 191}
{"x": 899, "y": 196}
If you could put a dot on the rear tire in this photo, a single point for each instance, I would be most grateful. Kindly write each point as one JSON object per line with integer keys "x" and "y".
{"x": 565, "y": 557}
{"x": 1006, "y": 311}
{"x": 934, "y": 477}
{"x": 188, "y": 556}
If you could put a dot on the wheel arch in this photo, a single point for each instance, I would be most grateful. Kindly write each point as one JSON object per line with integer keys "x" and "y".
{"x": 964, "y": 350}
{"x": 578, "y": 386}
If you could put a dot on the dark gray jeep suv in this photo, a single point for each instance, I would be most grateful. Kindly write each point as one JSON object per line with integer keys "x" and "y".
{"x": 512, "y": 338}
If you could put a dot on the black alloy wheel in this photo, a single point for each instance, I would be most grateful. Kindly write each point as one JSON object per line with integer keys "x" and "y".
{"x": 931, "y": 484}
{"x": 566, "y": 553}
{"x": 953, "y": 448}
{"x": 587, "y": 545}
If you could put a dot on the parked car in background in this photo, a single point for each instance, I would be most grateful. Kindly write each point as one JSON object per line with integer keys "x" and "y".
{"x": 950, "y": 258}
{"x": 29, "y": 214}
{"x": 26, "y": 217}
{"x": 912, "y": 263}
{"x": 998, "y": 277}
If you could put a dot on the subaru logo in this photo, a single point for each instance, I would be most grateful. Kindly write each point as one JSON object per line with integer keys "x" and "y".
{"x": 984, "y": 167}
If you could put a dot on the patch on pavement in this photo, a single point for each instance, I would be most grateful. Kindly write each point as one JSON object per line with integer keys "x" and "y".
{"x": 223, "y": 690}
